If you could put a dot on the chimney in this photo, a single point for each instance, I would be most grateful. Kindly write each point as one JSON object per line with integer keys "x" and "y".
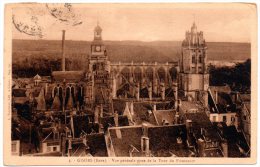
{"x": 162, "y": 91}
{"x": 118, "y": 131}
{"x": 177, "y": 118}
{"x": 150, "y": 91}
{"x": 216, "y": 94}
{"x": 154, "y": 107}
{"x": 69, "y": 147}
{"x": 237, "y": 96}
{"x": 132, "y": 108}
{"x": 201, "y": 147}
{"x": 96, "y": 115}
{"x": 175, "y": 89}
{"x": 155, "y": 88}
{"x": 189, "y": 125}
{"x": 145, "y": 140}
{"x": 179, "y": 103}
{"x": 46, "y": 89}
{"x": 116, "y": 119}
{"x": 137, "y": 92}
{"x": 224, "y": 146}
{"x": 63, "y": 52}
{"x": 101, "y": 110}
{"x": 114, "y": 87}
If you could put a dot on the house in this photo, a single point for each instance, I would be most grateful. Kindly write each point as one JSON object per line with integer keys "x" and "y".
{"x": 221, "y": 106}
{"x": 149, "y": 141}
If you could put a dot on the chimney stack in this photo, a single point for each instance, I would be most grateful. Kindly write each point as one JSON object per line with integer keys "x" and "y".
{"x": 118, "y": 131}
{"x": 63, "y": 52}
{"x": 101, "y": 110}
{"x": 137, "y": 92}
{"x": 162, "y": 91}
{"x": 216, "y": 94}
{"x": 150, "y": 91}
{"x": 96, "y": 115}
{"x": 175, "y": 89}
{"x": 189, "y": 125}
{"x": 224, "y": 146}
{"x": 116, "y": 119}
{"x": 145, "y": 140}
{"x": 132, "y": 108}
{"x": 201, "y": 147}
{"x": 154, "y": 107}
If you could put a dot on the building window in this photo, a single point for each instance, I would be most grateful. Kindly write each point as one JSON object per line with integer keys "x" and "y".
{"x": 56, "y": 135}
{"x": 200, "y": 69}
{"x": 54, "y": 148}
{"x": 214, "y": 118}
{"x": 224, "y": 118}
{"x": 13, "y": 147}
{"x": 193, "y": 69}
{"x": 200, "y": 58}
{"x": 48, "y": 149}
{"x": 193, "y": 59}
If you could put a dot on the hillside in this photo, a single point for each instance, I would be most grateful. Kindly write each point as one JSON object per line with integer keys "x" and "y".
{"x": 125, "y": 51}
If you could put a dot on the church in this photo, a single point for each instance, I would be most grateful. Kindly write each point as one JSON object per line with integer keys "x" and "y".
{"x": 103, "y": 80}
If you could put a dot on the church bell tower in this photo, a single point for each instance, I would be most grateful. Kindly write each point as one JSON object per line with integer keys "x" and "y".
{"x": 194, "y": 76}
{"x": 98, "y": 59}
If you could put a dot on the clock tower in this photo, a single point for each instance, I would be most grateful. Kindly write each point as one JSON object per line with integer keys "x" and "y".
{"x": 98, "y": 59}
{"x": 99, "y": 69}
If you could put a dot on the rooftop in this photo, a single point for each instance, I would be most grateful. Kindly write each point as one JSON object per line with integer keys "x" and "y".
{"x": 73, "y": 76}
{"x": 162, "y": 140}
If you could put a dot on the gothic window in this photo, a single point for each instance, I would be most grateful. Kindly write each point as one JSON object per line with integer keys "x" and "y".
{"x": 200, "y": 59}
{"x": 193, "y": 59}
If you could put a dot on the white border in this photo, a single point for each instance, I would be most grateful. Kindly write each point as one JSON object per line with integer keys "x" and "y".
{"x": 3, "y": 2}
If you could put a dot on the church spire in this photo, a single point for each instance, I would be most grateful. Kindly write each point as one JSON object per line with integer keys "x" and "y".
{"x": 97, "y": 32}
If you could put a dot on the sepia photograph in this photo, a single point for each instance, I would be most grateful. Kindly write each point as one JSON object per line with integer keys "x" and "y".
{"x": 132, "y": 83}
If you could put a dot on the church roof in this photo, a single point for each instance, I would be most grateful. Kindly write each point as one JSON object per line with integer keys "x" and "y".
{"x": 71, "y": 76}
{"x": 37, "y": 77}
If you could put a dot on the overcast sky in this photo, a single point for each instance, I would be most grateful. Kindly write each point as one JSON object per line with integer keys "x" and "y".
{"x": 144, "y": 22}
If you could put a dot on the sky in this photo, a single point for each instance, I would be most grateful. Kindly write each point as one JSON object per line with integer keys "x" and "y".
{"x": 142, "y": 22}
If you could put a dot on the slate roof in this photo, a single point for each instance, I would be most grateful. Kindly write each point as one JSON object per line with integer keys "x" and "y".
{"x": 119, "y": 105}
{"x": 141, "y": 113}
{"x": 201, "y": 120}
{"x": 223, "y": 101}
{"x": 188, "y": 106}
{"x": 109, "y": 121}
{"x": 234, "y": 138}
{"x": 162, "y": 140}
{"x": 225, "y": 89}
{"x": 130, "y": 136}
{"x": 245, "y": 97}
{"x": 71, "y": 76}
{"x": 167, "y": 115}
{"x": 19, "y": 92}
{"x": 97, "y": 144}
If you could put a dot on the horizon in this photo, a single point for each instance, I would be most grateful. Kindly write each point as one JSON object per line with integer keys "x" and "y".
{"x": 126, "y": 41}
